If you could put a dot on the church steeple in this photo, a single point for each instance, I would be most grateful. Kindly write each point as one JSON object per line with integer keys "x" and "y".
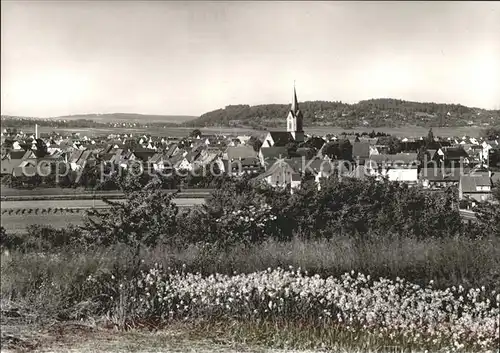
{"x": 294, "y": 119}
{"x": 295, "y": 101}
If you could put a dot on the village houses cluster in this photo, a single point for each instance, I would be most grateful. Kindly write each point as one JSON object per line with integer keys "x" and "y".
{"x": 280, "y": 159}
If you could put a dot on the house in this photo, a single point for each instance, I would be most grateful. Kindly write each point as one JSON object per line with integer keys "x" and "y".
{"x": 475, "y": 186}
{"x": 8, "y": 165}
{"x": 122, "y": 158}
{"x": 143, "y": 155}
{"x": 41, "y": 166}
{"x": 159, "y": 162}
{"x": 249, "y": 166}
{"x": 87, "y": 159}
{"x": 374, "y": 150}
{"x": 280, "y": 174}
{"x": 277, "y": 139}
{"x": 13, "y": 159}
{"x": 494, "y": 157}
{"x": 16, "y": 145}
{"x": 239, "y": 153}
{"x": 475, "y": 153}
{"x": 172, "y": 150}
{"x": 268, "y": 155}
{"x": 183, "y": 164}
{"x": 205, "y": 158}
{"x": 290, "y": 171}
{"x": 243, "y": 139}
{"x": 401, "y": 167}
{"x": 234, "y": 142}
{"x": 241, "y": 160}
{"x": 401, "y": 160}
{"x": 438, "y": 178}
{"x": 411, "y": 145}
{"x": 73, "y": 159}
{"x": 454, "y": 156}
{"x": 406, "y": 175}
{"x": 487, "y": 147}
{"x": 360, "y": 152}
{"x": 359, "y": 172}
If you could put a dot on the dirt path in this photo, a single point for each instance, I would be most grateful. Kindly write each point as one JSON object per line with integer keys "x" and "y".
{"x": 76, "y": 338}
{"x": 22, "y": 332}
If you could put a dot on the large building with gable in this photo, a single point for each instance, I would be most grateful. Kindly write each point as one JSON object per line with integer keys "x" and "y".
{"x": 294, "y": 127}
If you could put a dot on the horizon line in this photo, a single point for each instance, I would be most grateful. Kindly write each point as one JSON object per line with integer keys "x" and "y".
{"x": 496, "y": 108}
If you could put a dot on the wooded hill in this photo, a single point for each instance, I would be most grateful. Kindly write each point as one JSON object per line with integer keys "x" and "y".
{"x": 370, "y": 113}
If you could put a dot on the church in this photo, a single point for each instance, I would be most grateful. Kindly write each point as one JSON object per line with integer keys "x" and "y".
{"x": 294, "y": 131}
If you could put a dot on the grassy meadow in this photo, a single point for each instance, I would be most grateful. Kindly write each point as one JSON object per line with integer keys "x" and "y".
{"x": 280, "y": 295}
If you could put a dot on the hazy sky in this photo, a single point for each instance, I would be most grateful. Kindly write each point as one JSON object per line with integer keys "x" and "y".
{"x": 187, "y": 58}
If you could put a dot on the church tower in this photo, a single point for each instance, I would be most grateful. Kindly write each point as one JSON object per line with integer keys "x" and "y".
{"x": 294, "y": 120}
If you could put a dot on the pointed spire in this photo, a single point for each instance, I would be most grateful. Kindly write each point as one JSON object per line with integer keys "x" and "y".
{"x": 295, "y": 101}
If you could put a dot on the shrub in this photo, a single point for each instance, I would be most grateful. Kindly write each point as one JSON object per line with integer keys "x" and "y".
{"x": 45, "y": 238}
{"x": 148, "y": 217}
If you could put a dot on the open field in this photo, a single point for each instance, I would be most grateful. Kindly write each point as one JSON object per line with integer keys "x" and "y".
{"x": 65, "y": 193}
{"x": 79, "y": 204}
{"x": 17, "y": 223}
{"x": 129, "y": 117}
{"x": 415, "y": 131}
{"x": 8, "y": 192}
{"x": 154, "y": 131}
{"x": 317, "y": 130}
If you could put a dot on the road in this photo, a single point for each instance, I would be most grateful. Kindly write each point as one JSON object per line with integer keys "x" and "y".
{"x": 78, "y": 204}
{"x": 78, "y": 192}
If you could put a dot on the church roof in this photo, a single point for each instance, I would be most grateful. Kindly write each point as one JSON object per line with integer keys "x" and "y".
{"x": 295, "y": 101}
{"x": 295, "y": 104}
{"x": 281, "y": 138}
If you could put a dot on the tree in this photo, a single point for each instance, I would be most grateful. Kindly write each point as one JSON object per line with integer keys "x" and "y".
{"x": 423, "y": 156}
{"x": 392, "y": 142}
{"x": 148, "y": 216}
{"x": 41, "y": 148}
{"x": 8, "y": 143}
{"x": 255, "y": 143}
{"x": 488, "y": 216}
{"x": 195, "y": 133}
{"x": 291, "y": 148}
{"x": 341, "y": 149}
{"x": 491, "y": 133}
{"x": 430, "y": 136}
{"x": 314, "y": 142}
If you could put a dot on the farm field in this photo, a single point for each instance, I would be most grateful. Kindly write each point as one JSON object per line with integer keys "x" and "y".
{"x": 317, "y": 130}
{"x": 6, "y": 191}
{"x": 415, "y": 131}
{"x": 18, "y": 223}
{"x": 82, "y": 203}
{"x": 154, "y": 131}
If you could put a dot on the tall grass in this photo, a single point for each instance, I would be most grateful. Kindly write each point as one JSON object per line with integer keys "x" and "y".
{"x": 56, "y": 280}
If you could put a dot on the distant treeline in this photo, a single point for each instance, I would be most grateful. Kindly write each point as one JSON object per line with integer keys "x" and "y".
{"x": 22, "y": 122}
{"x": 371, "y": 113}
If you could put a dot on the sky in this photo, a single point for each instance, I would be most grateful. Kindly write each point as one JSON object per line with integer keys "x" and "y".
{"x": 187, "y": 58}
